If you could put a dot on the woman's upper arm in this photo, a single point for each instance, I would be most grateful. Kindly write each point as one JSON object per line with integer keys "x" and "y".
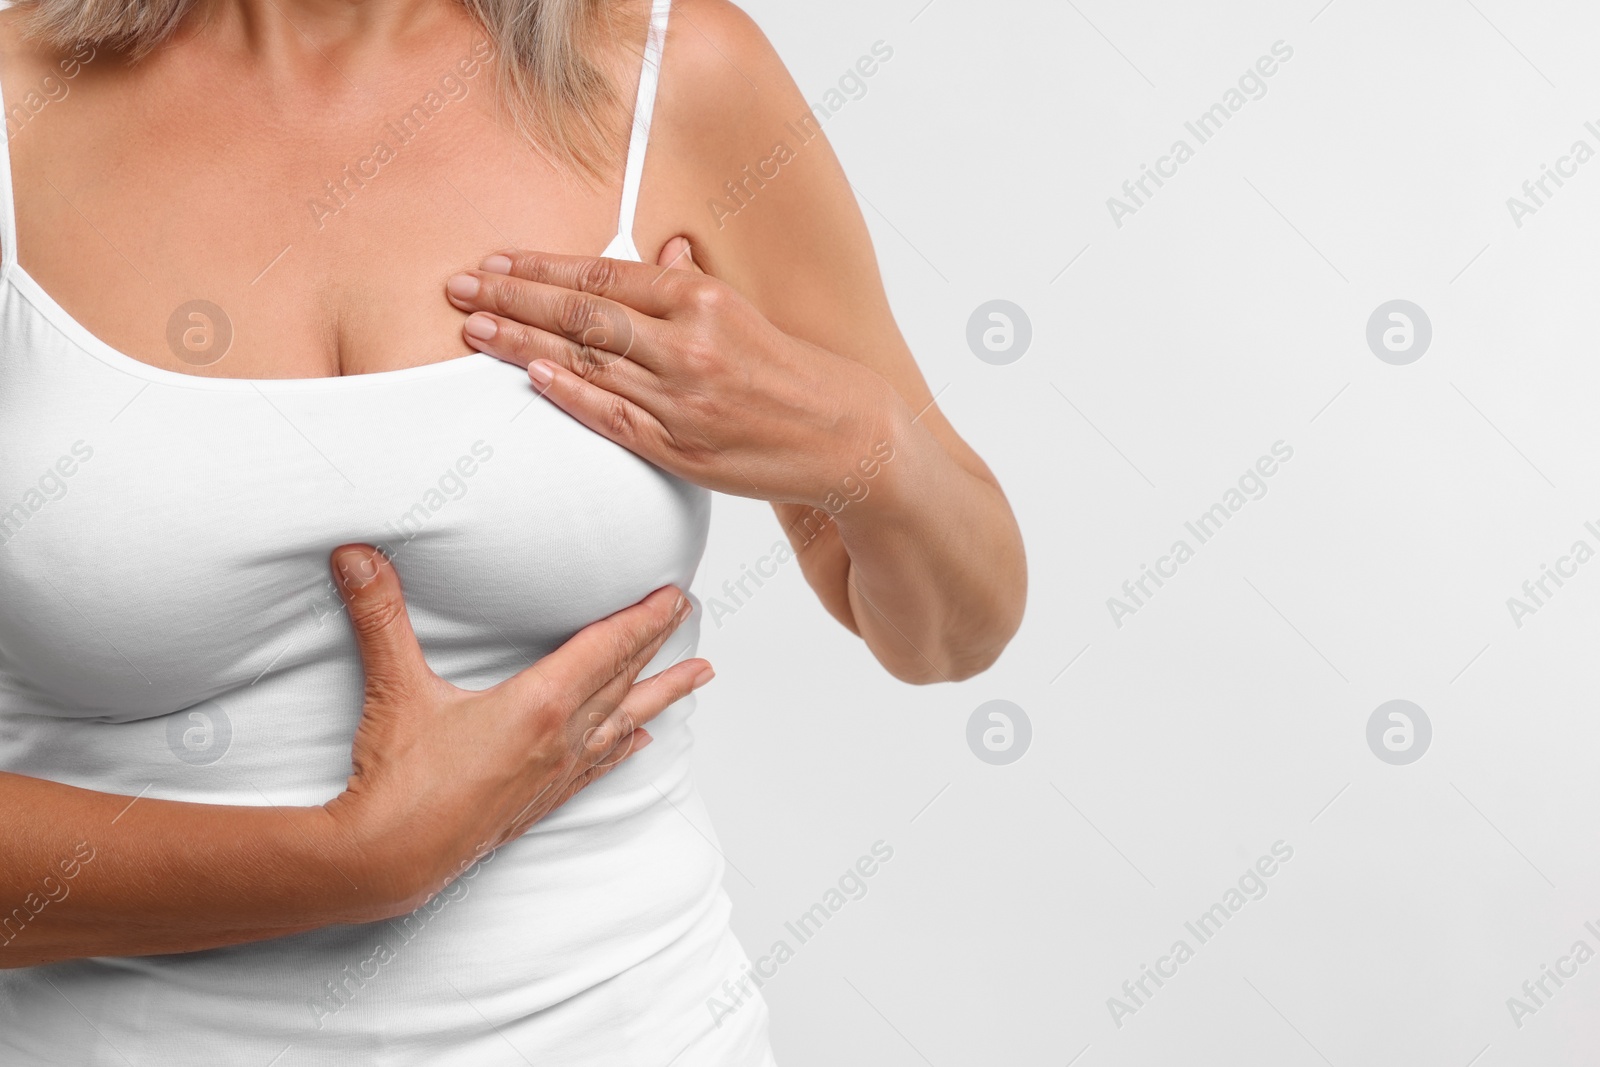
{"x": 769, "y": 208}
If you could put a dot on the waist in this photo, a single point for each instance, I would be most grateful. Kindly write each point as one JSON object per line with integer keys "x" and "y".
{"x": 572, "y": 926}
{"x": 623, "y": 878}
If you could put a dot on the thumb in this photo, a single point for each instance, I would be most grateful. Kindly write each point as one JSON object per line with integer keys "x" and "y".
{"x": 390, "y": 654}
{"x": 677, "y": 254}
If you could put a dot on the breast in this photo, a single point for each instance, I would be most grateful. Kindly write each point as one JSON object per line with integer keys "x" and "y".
{"x": 166, "y": 541}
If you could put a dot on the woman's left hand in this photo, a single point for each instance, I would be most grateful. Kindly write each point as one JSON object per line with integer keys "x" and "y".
{"x": 679, "y": 368}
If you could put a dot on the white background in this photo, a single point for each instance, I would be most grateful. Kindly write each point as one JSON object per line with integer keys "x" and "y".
{"x": 1230, "y": 713}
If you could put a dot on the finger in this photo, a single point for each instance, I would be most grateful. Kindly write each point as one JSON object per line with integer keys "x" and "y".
{"x": 678, "y": 254}
{"x": 598, "y": 652}
{"x": 370, "y": 586}
{"x": 648, "y": 652}
{"x": 609, "y": 414}
{"x": 519, "y": 343}
{"x": 632, "y": 744}
{"x": 626, "y": 746}
{"x": 641, "y": 287}
{"x": 588, "y": 722}
{"x": 648, "y": 699}
{"x": 553, "y": 798}
{"x": 583, "y": 318}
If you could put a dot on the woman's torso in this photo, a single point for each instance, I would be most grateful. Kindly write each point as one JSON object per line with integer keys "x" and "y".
{"x": 168, "y": 630}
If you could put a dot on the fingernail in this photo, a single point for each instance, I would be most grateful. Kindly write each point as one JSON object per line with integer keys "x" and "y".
{"x": 702, "y": 678}
{"x": 462, "y": 286}
{"x": 497, "y": 265}
{"x": 482, "y": 326}
{"x": 643, "y": 741}
{"x": 542, "y": 372}
{"x": 356, "y": 568}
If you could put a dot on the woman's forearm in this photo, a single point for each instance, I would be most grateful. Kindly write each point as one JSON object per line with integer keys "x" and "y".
{"x": 936, "y": 575}
{"x": 94, "y": 874}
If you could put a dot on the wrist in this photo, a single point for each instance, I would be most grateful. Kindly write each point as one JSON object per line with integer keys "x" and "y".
{"x": 371, "y": 873}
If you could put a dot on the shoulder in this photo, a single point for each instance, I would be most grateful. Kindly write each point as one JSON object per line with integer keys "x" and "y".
{"x": 722, "y": 79}
{"x": 720, "y": 29}
{"x": 744, "y": 169}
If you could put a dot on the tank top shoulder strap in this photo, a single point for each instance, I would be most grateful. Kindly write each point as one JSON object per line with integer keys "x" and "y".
{"x": 643, "y": 111}
{"x": 8, "y": 200}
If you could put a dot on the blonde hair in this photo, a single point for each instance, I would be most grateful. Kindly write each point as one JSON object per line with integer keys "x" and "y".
{"x": 559, "y": 98}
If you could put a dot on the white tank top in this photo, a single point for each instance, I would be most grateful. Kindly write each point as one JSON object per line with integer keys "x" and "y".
{"x": 168, "y": 630}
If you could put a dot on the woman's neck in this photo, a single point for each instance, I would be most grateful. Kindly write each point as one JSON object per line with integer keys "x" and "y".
{"x": 291, "y": 28}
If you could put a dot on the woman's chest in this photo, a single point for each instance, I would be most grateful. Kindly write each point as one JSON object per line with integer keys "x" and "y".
{"x": 313, "y": 247}
{"x": 161, "y": 543}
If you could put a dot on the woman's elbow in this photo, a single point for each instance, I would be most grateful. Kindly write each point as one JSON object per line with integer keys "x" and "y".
{"x": 958, "y": 658}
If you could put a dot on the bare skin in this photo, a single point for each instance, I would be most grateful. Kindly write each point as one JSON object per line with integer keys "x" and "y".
{"x": 201, "y": 171}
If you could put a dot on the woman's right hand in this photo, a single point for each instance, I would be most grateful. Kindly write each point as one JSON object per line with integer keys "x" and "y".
{"x": 442, "y": 775}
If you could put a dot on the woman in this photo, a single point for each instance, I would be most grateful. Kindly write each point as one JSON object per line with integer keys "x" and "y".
{"x": 244, "y": 820}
